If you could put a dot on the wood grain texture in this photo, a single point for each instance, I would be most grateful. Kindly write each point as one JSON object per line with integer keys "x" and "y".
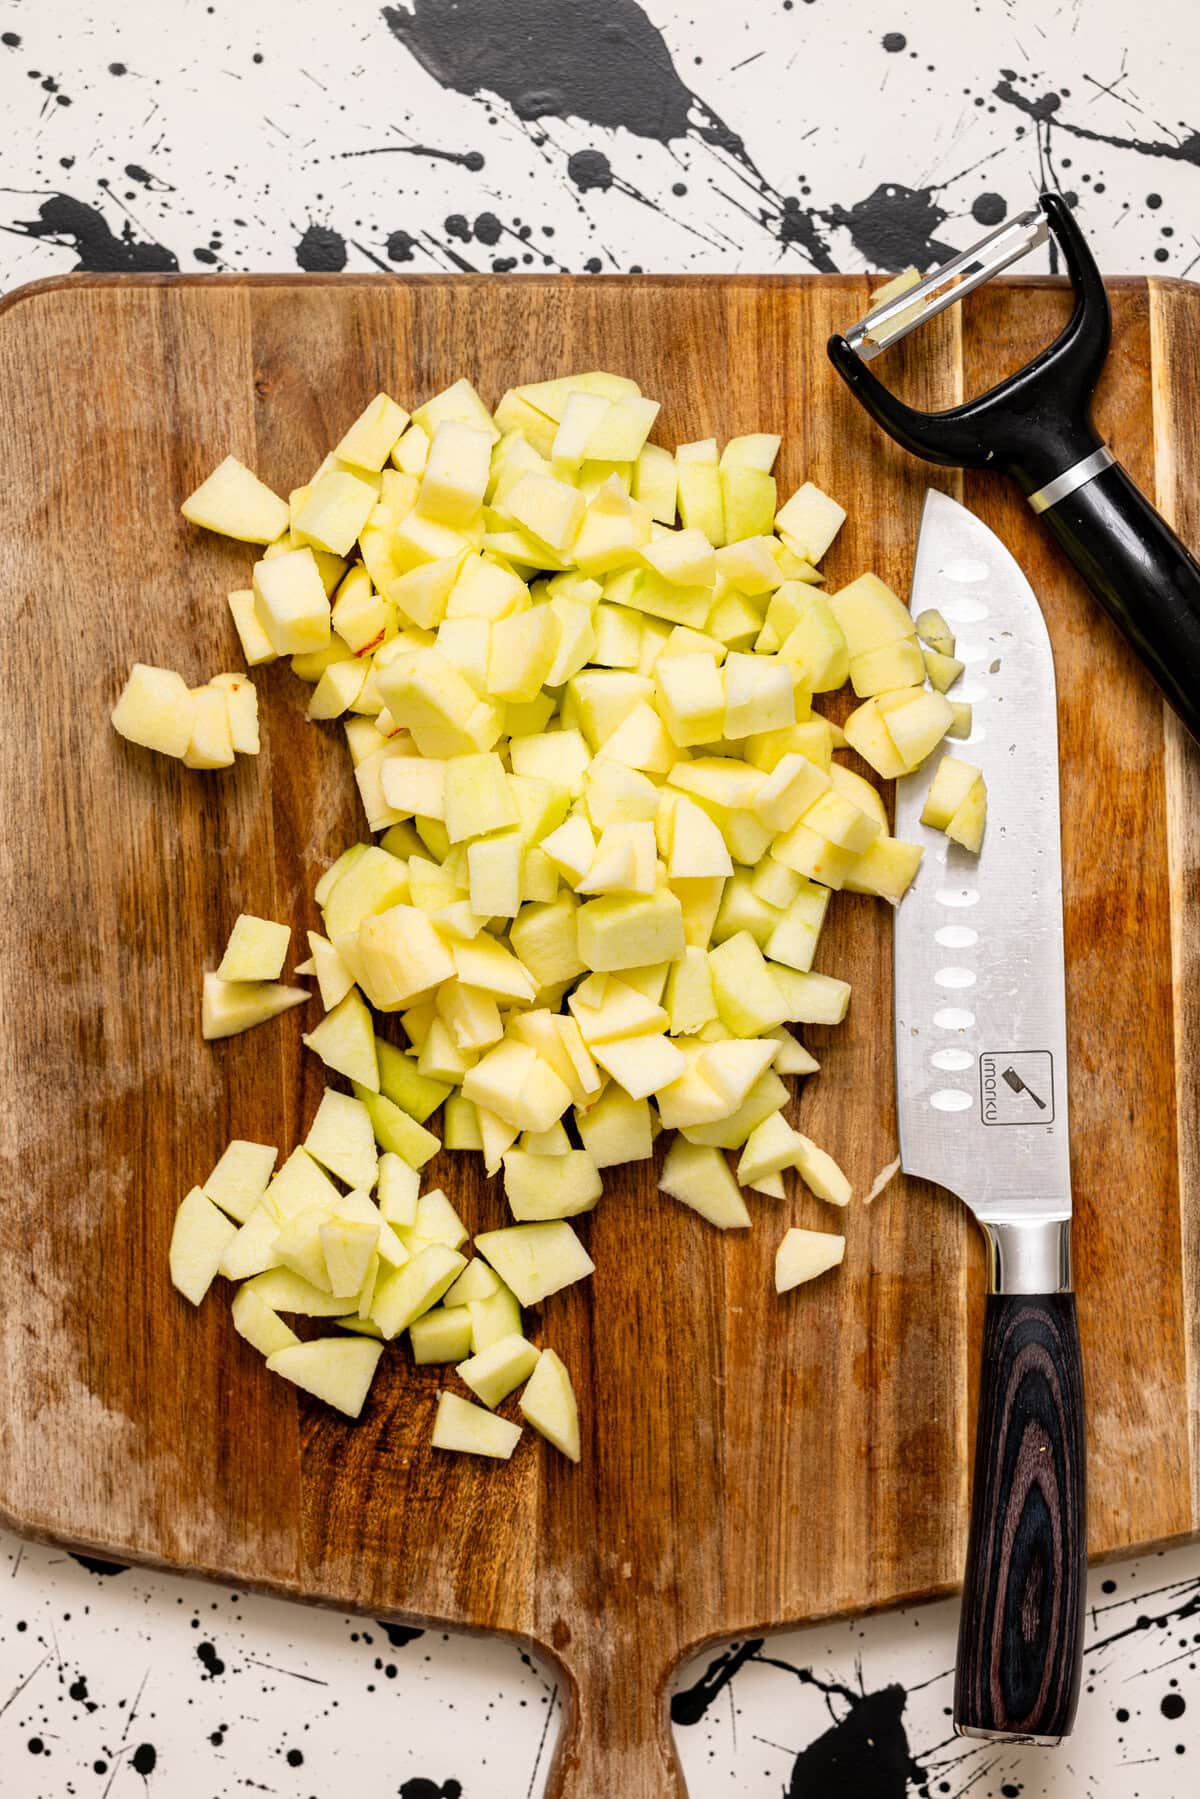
{"x": 747, "y": 1463}
{"x": 1020, "y": 1637}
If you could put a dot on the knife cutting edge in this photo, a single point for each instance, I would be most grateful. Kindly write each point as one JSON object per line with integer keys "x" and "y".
{"x": 981, "y": 1082}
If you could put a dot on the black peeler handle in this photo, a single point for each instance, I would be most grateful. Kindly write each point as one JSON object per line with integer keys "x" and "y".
{"x": 1145, "y": 578}
{"x": 1037, "y": 427}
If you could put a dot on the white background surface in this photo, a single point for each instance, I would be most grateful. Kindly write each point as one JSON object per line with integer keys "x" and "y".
{"x": 271, "y": 135}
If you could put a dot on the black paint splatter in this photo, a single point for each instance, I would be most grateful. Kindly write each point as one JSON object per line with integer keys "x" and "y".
{"x": 1046, "y": 109}
{"x": 429, "y": 1789}
{"x": 117, "y": 68}
{"x": 1173, "y": 1705}
{"x": 989, "y": 209}
{"x": 213, "y": 1665}
{"x": 864, "y": 1752}
{"x": 894, "y": 226}
{"x": 94, "y": 1565}
{"x": 145, "y": 1757}
{"x": 456, "y": 226}
{"x": 399, "y": 1634}
{"x": 11, "y": 38}
{"x": 487, "y": 228}
{"x": 295, "y": 1758}
{"x": 321, "y": 251}
{"x": 64, "y": 220}
{"x": 690, "y": 1705}
{"x": 590, "y": 170}
{"x": 895, "y": 41}
{"x": 607, "y": 65}
{"x": 400, "y": 246}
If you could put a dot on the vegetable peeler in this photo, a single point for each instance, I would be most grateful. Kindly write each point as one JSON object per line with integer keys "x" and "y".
{"x": 1036, "y": 427}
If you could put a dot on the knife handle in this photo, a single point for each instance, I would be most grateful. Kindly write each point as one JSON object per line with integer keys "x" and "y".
{"x": 1143, "y": 576}
{"x": 1021, "y": 1634}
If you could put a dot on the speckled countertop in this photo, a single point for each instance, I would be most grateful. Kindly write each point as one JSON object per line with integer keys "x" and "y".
{"x": 776, "y": 134}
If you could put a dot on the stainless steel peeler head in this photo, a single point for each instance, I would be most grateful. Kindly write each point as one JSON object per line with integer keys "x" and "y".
{"x": 947, "y": 284}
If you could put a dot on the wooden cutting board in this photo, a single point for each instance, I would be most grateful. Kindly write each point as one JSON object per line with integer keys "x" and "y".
{"x": 747, "y": 1463}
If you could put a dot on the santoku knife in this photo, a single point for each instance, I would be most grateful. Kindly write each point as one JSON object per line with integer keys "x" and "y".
{"x": 981, "y": 1082}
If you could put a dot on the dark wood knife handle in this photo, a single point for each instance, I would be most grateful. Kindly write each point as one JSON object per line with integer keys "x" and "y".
{"x": 1021, "y": 1635}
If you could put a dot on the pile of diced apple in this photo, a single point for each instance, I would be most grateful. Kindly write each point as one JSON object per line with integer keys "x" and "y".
{"x": 577, "y": 676}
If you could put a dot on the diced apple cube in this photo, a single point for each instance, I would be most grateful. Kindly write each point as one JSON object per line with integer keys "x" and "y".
{"x": 803, "y": 1255}
{"x": 470, "y": 1430}
{"x": 747, "y": 998}
{"x": 335, "y": 1369}
{"x": 615, "y": 1128}
{"x": 867, "y": 732}
{"x": 943, "y": 671}
{"x": 404, "y": 1293}
{"x": 616, "y": 932}
{"x": 229, "y": 1007}
{"x": 255, "y": 951}
{"x": 552, "y": 511}
{"x": 548, "y": 1403}
{"x": 441, "y": 1335}
{"x": 456, "y": 473}
{"x": 932, "y": 629}
{"x": 916, "y": 721}
{"x": 887, "y": 667}
{"x": 700, "y": 1178}
{"x": 820, "y": 1173}
{"x": 495, "y": 1371}
{"x": 870, "y": 615}
{"x": 535, "y": 1260}
{"x": 522, "y": 652}
{"x": 156, "y": 710}
{"x": 374, "y": 434}
{"x": 347, "y": 1246}
{"x": 234, "y": 502}
{"x": 967, "y": 825}
{"x": 345, "y": 1041}
{"x": 199, "y": 1238}
{"x": 841, "y": 822}
{"x": 290, "y": 603}
{"x": 476, "y": 797}
{"x": 654, "y": 482}
{"x": 256, "y": 645}
{"x": 262, "y": 1328}
{"x": 334, "y": 512}
{"x": 810, "y": 521}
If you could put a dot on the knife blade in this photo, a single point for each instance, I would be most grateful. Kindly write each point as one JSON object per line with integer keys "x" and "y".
{"x": 981, "y": 1083}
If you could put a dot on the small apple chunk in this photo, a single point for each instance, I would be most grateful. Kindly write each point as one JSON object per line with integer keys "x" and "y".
{"x": 240, "y": 1178}
{"x": 803, "y": 1255}
{"x": 156, "y": 710}
{"x": 235, "y": 503}
{"x": 496, "y": 1370}
{"x": 406, "y": 1292}
{"x": 950, "y": 786}
{"x": 255, "y": 951}
{"x": 535, "y": 1260}
{"x": 441, "y": 1335}
{"x": 199, "y": 1239}
{"x": 699, "y": 1177}
{"x": 967, "y": 825}
{"x": 345, "y": 1041}
{"x": 555, "y": 1186}
{"x": 228, "y": 1007}
{"x": 340, "y": 1138}
{"x": 262, "y": 1328}
{"x": 336, "y": 1369}
{"x": 820, "y": 1173}
{"x": 373, "y": 435}
{"x": 290, "y": 603}
{"x": 470, "y": 1430}
{"x": 548, "y": 1403}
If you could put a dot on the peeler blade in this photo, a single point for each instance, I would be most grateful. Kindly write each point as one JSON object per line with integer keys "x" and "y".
{"x": 946, "y": 285}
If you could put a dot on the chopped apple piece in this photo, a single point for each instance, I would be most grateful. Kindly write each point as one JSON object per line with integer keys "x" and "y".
{"x": 255, "y": 951}
{"x": 403, "y": 1293}
{"x": 199, "y": 1239}
{"x": 240, "y": 1178}
{"x": 229, "y": 1007}
{"x": 345, "y": 1042}
{"x": 803, "y": 1255}
{"x": 952, "y": 782}
{"x": 262, "y": 1328}
{"x": 290, "y": 603}
{"x": 810, "y": 521}
{"x": 340, "y": 1138}
{"x": 156, "y": 710}
{"x": 495, "y": 1371}
{"x": 700, "y": 1178}
{"x": 551, "y": 1186}
{"x": 235, "y": 503}
{"x": 535, "y": 1260}
{"x": 967, "y": 825}
{"x": 470, "y": 1430}
{"x": 548, "y": 1403}
{"x": 932, "y": 629}
{"x": 441, "y": 1335}
{"x": 335, "y": 1369}
{"x": 820, "y": 1173}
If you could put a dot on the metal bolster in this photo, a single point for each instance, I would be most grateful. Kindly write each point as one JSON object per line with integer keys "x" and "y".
{"x": 1033, "y": 1256}
{"x": 1076, "y": 476}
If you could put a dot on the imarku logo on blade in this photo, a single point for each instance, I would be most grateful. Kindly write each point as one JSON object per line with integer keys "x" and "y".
{"x": 1016, "y": 1086}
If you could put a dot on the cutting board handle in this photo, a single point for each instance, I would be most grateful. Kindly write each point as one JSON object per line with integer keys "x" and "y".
{"x": 1021, "y": 1636}
{"x": 616, "y": 1737}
